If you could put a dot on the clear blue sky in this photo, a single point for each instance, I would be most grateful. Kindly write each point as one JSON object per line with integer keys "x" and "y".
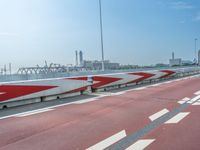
{"x": 135, "y": 31}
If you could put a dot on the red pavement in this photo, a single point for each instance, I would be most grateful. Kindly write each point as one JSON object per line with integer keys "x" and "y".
{"x": 184, "y": 135}
{"x": 80, "y": 126}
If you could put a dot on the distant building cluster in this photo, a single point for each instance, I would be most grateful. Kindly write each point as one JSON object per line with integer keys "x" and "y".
{"x": 97, "y": 65}
{"x": 88, "y": 65}
{"x": 179, "y": 62}
{"x": 6, "y": 69}
{"x": 93, "y": 64}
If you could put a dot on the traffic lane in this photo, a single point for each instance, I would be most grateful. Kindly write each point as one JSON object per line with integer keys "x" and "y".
{"x": 183, "y": 135}
{"x": 52, "y": 119}
{"x": 86, "y": 131}
{"x": 29, "y": 107}
{"x": 29, "y": 126}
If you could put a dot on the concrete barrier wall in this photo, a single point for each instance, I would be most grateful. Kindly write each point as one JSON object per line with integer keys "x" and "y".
{"x": 14, "y": 91}
{"x": 46, "y": 88}
{"x": 101, "y": 81}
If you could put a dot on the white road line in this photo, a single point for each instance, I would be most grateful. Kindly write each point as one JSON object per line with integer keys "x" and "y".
{"x": 55, "y": 106}
{"x": 168, "y": 82}
{"x": 85, "y": 101}
{"x": 158, "y": 114}
{"x": 120, "y": 93}
{"x": 177, "y": 117}
{"x": 140, "y": 144}
{"x": 196, "y": 103}
{"x": 5, "y": 117}
{"x": 194, "y": 99}
{"x": 29, "y": 113}
{"x": 184, "y": 100}
{"x": 178, "y": 79}
{"x": 197, "y": 93}
{"x": 158, "y": 84}
{"x": 134, "y": 89}
{"x": 140, "y": 88}
{"x": 109, "y": 141}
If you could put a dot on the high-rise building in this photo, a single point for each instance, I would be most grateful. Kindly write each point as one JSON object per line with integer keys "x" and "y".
{"x": 172, "y": 55}
{"x": 175, "y": 61}
{"x": 81, "y": 58}
{"x": 76, "y": 53}
{"x": 199, "y": 57}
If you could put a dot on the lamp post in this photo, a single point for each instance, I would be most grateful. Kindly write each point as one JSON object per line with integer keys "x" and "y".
{"x": 101, "y": 30}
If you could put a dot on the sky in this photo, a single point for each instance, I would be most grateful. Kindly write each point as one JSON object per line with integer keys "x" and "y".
{"x": 142, "y": 32}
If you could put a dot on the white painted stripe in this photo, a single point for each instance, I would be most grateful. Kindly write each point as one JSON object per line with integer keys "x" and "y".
{"x": 120, "y": 93}
{"x": 196, "y": 103}
{"x": 140, "y": 144}
{"x": 158, "y": 114}
{"x": 158, "y": 84}
{"x": 1, "y": 93}
{"x": 140, "y": 88}
{"x": 181, "y": 102}
{"x": 168, "y": 82}
{"x": 56, "y": 106}
{"x": 197, "y": 93}
{"x": 184, "y": 100}
{"x": 32, "y": 112}
{"x": 5, "y": 117}
{"x": 178, "y": 79}
{"x": 177, "y": 118}
{"x": 109, "y": 141}
{"x": 85, "y": 101}
{"x": 194, "y": 99}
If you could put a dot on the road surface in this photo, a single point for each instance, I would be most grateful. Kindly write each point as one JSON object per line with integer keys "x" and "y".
{"x": 160, "y": 116}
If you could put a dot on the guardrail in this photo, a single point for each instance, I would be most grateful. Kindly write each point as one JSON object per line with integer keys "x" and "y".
{"x": 25, "y": 92}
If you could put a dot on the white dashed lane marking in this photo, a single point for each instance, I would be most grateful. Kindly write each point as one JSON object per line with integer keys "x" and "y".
{"x": 177, "y": 118}
{"x": 184, "y": 100}
{"x": 109, "y": 141}
{"x": 140, "y": 144}
{"x": 158, "y": 114}
{"x": 197, "y": 93}
{"x": 196, "y": 103}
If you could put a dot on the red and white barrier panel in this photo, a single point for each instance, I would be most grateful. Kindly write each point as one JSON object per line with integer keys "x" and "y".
{"x": 13, "y": 91}
{"x": 101, "y": 81}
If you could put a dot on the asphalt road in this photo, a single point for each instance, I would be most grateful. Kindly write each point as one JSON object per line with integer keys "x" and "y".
{"x": 160, "y": 116}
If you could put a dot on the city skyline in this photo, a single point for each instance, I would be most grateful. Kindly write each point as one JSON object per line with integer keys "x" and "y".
{"x": 135, "y": 32}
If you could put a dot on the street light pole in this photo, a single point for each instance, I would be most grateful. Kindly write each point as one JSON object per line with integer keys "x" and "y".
{"x": 101, "y": 30}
